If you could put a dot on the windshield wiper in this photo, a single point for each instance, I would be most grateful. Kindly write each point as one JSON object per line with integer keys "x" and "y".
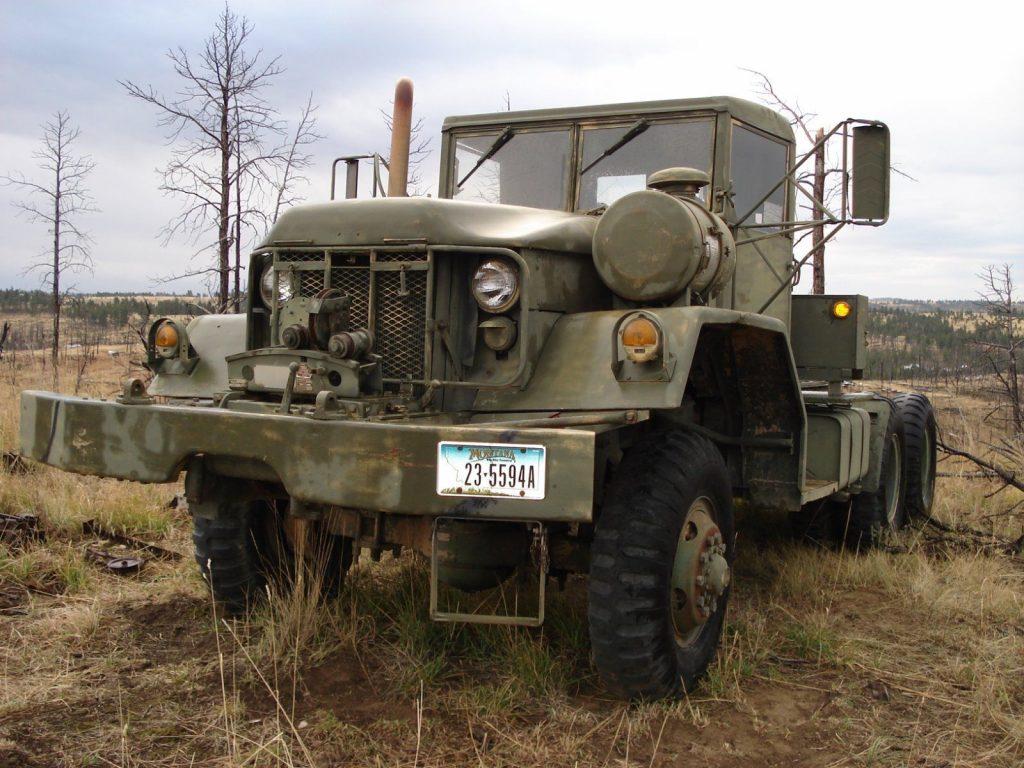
{"x": 503, "y": 138}
{"x": 635, "y": 130}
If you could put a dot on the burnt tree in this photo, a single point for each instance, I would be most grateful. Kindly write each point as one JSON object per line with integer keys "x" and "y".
{"x": 1000, "y": 350}
{"x": 219, "y": 123}
{"x": 57, "y": 200}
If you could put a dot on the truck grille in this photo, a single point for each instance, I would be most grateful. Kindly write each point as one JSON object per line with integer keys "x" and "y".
{"x": 391, "y": 301}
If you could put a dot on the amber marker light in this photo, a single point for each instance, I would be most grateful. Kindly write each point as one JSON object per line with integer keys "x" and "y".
{"x": 641, "y": 339}
{"x": 166, "y": 336}
{"x": 841, "y": 310}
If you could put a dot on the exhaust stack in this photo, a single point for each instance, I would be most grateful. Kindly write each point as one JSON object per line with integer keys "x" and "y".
{"x": 401, "y": 129}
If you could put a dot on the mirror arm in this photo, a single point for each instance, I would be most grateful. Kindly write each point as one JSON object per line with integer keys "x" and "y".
{"x": 797, "y": 265}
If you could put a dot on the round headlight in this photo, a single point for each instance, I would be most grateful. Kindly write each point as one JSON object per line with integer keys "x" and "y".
{"x": 496, "y": 285}
{"x": 285, "y": 286}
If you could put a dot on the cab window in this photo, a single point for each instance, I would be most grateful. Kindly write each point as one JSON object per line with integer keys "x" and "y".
{"x": 660, "y": 145}
{"x": 758, "y": 162}
{"x": 531, "y": 168}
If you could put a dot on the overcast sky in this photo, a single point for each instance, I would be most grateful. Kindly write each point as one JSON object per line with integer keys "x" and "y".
{"x": 948, "y": 79}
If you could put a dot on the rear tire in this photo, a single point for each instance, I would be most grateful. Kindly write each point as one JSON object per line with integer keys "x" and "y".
{"x": 920, "y": 439}
{"x": 872, "y": 516}
{"x": 638, "y": 647}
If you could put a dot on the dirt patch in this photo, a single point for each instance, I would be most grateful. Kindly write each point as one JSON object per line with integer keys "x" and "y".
{"x": 775, "y": 725}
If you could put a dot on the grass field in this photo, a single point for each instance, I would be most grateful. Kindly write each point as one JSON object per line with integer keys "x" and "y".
{"x": 909, "y": 656}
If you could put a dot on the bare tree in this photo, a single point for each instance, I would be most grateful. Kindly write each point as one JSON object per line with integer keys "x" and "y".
{"x": 294, "y": 159}
{"x": 823, "y": 188}
{"x": 58, "y": 201}
{"x": 219, "y": 123}
{"x": 825, "y": 178}
{"x": 1000, "y": 352}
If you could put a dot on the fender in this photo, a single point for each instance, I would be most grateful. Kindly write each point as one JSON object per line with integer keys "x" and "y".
{"x": 756, "y": 380}
{"x": 213, "y": 338}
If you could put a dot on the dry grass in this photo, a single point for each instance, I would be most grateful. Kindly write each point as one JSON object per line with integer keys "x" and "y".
{"x": 912, "y": 656}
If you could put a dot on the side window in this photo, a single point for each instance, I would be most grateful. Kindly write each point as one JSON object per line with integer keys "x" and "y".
{"x": 757, "y": 165}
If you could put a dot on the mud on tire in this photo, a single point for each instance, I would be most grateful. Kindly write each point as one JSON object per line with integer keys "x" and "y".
{"x": 635, "y": 645}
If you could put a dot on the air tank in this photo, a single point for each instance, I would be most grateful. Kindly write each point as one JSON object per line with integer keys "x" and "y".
{"x": 654, "y": 244}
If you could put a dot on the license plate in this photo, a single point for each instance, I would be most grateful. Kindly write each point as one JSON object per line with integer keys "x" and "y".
{"x": 490, "y": 470}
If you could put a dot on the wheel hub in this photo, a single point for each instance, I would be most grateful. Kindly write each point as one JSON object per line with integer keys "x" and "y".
{"x": 700, "y": 572}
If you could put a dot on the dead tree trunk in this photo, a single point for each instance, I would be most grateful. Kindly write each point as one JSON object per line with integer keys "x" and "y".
{"x": 818, "y": 234}
{"x": 55, "y": 283}
{"x": 218, "y": 113}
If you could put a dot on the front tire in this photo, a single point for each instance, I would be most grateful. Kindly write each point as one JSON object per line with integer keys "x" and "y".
{"x": 241, "y": 547}
{"x": 659, "y": 573}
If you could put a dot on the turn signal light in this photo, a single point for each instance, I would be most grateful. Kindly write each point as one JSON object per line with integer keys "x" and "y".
{"x": 166, "y": 336}
{"x": 841, "y": 309}
{"x": 639, "y": 332}
{"x": 641, "y": 339}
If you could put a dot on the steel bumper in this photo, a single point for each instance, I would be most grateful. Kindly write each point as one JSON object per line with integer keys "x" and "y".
{"x": 389, "y": 467}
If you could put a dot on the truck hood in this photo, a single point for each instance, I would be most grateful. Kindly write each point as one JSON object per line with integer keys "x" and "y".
{"x": 392, "y": 221}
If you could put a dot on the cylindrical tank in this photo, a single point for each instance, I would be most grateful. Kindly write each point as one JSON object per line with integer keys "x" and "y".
{"x": 654, "y": 244}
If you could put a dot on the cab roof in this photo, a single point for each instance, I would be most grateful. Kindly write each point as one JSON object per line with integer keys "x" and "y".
{"x": 749, "y": 112}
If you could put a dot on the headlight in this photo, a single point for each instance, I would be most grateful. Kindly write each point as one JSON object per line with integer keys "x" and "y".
{"x": 285, "y": 286}
{"x": 496, "y": 285}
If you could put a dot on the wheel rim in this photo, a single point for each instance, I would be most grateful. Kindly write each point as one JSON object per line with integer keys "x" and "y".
{"x": 700, "y": 572}
{"x": 927, "y": 470}
{"x": 893, "y": 481}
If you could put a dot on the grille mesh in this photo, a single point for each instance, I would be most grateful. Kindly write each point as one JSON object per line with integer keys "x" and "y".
{"x": 355, "y": 281}
{"x": 400, "y": 322}
{"x": 399, "y": 317}
{"x": 310, "y": 283}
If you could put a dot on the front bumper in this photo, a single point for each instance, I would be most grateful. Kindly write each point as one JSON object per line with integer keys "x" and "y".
{"x": 389, "y": 467}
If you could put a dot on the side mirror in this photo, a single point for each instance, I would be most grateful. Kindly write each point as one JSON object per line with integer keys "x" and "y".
{"x": 870, "y": 173}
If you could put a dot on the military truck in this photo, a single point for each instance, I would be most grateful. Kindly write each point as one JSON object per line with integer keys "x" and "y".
{"x": 573, "y": 360}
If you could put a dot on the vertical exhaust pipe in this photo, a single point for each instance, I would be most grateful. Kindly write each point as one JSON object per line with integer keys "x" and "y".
{"x": 401, "y": 130}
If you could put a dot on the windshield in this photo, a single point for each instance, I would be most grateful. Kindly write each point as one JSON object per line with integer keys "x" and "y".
{"x": 530, "y": 168}
{"x": 661, "y": 145}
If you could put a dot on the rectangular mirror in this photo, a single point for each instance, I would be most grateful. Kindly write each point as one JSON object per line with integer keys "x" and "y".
{"x": 871, "y": 173}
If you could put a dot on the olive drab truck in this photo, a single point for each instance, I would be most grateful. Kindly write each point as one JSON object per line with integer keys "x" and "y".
{"x": 573, "y": 360}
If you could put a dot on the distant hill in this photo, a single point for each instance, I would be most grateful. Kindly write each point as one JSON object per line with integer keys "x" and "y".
{"x": 933, "y": 305}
